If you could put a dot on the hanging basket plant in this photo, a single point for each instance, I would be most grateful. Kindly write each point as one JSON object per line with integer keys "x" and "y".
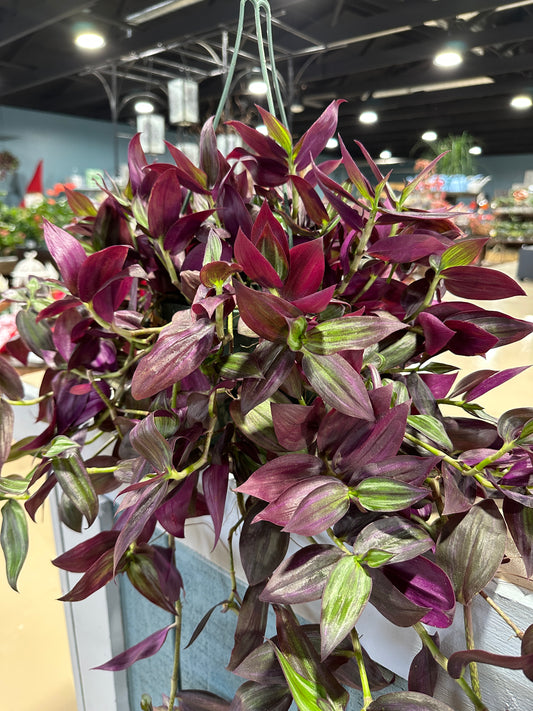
{"x": 303, "y": 374}
{"x": 8, "y": 164}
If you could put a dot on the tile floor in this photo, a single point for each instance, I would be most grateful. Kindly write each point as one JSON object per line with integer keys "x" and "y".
{"x": 35, "y": 670}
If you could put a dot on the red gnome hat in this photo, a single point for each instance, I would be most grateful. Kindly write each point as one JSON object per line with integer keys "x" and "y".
{"x": 36, "y": 183}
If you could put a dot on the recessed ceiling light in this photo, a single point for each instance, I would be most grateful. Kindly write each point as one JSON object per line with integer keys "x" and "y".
{"x": 385, "y": 155}
{"x": 262, "y": 129}
{"x": 89, "y": 40}
{"x": 332, "y": 143}
{"x": 368, "y": 117}
{"x": 448, "y": 58}
{"x": 523, "y": 101}
{"x": 143, "y": 107}
{"x": 297, "y": 107}
{"x": 257, "y": 87}
{"x": 475, "y": 150}
{"x": 429, "y": 136}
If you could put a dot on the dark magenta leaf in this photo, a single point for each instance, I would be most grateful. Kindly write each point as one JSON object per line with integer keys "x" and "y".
{"x": 493, "y": 380}
{"x": 191, "y": 177}
{"x": 173, "y": 512}
{"x": 148, "y": 441}
{"x": 312, "y": 143}
{"x": 314, "y": 206}
{"x": 265, "y": 313}
{"x": 424, "y": 670}
{"x": 480, "y": 283}
{"x": 142, "y": 650}
{"x": 81, "y": 557}
{"x": 98, "y": 268}
{"x": 512, "y": 423}
{"x": 215, "y": 487}
{"x": 196, "y": 700}
{"x": 266, "y": 537}
{"x": 262, "y": 666}
{"x": 179, "y": 350}
{"x": 275, "y": 362}
{"x": 470, "y": 548}
{"x": 296, "y": 425}
{"x": 393, "y": 604}
{"x": 66, "y": 252}
{"x": 406, "y": 247}
{"x": 306, "y": 269}
{"x": 519, "y": 521}
{"x": 282, "y": 508}
{"x": 152, "y": 572}
{"x": 251, "y": 625}
{"x": 7, "y": 422}
{"x": 256, "y": 266}
{"x": 278, "y": 475}
{"x": 303, "y": 576}
{"x": 263, "y": 145}
{"x": 95, "y": 577}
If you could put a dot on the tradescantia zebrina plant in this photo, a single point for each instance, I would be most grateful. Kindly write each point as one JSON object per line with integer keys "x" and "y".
{"x": 283, "y": 321}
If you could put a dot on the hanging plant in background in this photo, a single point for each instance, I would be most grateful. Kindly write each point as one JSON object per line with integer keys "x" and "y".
{"x": 308, "y": 361}
{"x": 457, "y": 159}
{"x": 8, "y": 164}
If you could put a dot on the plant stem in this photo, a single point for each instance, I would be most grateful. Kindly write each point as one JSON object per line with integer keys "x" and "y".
{"x": 442, "y": 661}
{"x": 234, "y": 593}
{"x": 518, "y": 632}
{"x": 358, "y": 653}
{"x": 174, "y": 679}
{"x": 470, "y": 644}
{"x": 35, "y": 400}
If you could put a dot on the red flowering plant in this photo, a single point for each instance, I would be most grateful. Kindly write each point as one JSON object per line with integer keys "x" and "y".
{"x": 273, "y": 335}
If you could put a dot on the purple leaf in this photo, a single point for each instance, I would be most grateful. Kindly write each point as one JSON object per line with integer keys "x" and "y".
{"x": 281, "y": 509}
{"x": 178, "y": 351}
{"x": 315, "y": 138}
{"x": 151, "y": 571}
{"x": 251, "y": 625}
{"x": 73, "y": 478}
{"x": 469, "y": 339}
{"x": 261, "y": 666}
{"x": 459, "y": 660}
{"x": 147, "y": 648}
{"x": 355, "y": 175}
{"x": 164, "y": 204}
{"x": 251, "y": 696}
{"x": 296, "y": 425}
{"x": 209, "y": 152}
{"x": 405, "y": 247}
{"x": 81, "y": 557}
{"x": 392, "y": 603}
{"x": 314, "y": 206}
{"x": 470, "y": 548}
{"x": 263, "y": 536}
{"x": 264, "y": 313}
{"x": 426, "y": 585}
{"x": 275, "y": 477}
{"x": 95, "y": 577}
{"x": 215, "y": 487}
{"x": 317, "y": 302}
{"x": 480, "y": 283}
{"x": 7, "y": 422}
{"x": 66, "y": 252}
{"x": 148, "y": 441}
{"x": 173, "y": 513}
{"x": 505, "y": 328}
{"x": 193, "y": 700}
{"x": 424, "y": 670}
{"x": 256, "y": 266}
{"x": 493, "y": 380}
{"x": 320, "y": 508}
{"x": 136, "y": 163}
{"x": 519, "y": 520}
{"x": 275, "y": 361}
{"x": 191, "y": 177}
{"x": 338, "y": 384}
{"x": 303, "y": 576}
{"x": 436, "y": 334}
{"x": 10, "y": 382}
{"x": 263, "y": 145}
{"x": 407, "y": 701}
{"x": 180, "y": 234}
{"x": 306, "y": 269}
{"x": 345, "y": 596}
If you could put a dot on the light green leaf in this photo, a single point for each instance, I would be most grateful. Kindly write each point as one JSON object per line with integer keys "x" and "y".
{"x": 431, "y": 428}
{"x": 382, "y": 494}
{"x": 76, "y": 483}
{"x": 462, "y": 253}
{"x": 345, "y": 596}
{"x": 349, "y": 332}
{"x": 213, "y": 249}
{"x": 240, "y": 365}
{"x": 516, "y": 424}
{"x": 304, "y": 692}
{"x": 12, "y": 486}
{"x": 14, "y": 539}
{"x": 59, "y": 445}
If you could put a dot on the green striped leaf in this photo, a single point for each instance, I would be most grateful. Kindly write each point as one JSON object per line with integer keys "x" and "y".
{"x": 14, "y": 539}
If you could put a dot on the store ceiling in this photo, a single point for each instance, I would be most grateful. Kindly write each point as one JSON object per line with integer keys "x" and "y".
{"x": 377, "y": 54}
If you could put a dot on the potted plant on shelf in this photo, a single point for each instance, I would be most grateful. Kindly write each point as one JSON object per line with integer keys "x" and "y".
{"x": 273, "y": 335}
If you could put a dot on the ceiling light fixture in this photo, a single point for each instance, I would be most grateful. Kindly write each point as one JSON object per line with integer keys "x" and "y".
{"x": 439, "y": 86}
{"x": 262, "y": 129}
{"x": 368, "y": 117}
{"x": 143, "y": 107}
{"x": 501, "y": 8}
{"x": 475, "y": 150}
{"x": 429, "y": 136}
{"x": 448, "y": 58}
{"x": 257, "y": 87}
{"x": 158, "y": 10}
{"x": 89, "y": 39}
{"x": 332, "y": 144}
{"x": 523, "y": 101}
{"x": 297, "y": 107}
{"x": 385, "y": 155}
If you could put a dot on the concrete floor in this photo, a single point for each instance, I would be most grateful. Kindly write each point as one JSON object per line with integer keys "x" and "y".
{"x": 35, "y": 671}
